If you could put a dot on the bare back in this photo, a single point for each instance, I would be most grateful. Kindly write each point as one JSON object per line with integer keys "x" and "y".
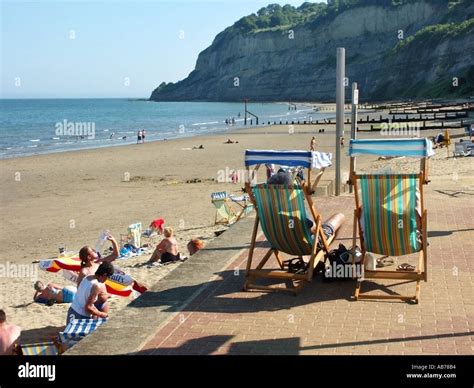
{"x": 9, "y": 335}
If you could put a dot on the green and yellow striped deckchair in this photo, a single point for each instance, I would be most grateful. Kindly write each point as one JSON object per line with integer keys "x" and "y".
{"x": 389, "y": 217}
{"x": 283, "y": 218}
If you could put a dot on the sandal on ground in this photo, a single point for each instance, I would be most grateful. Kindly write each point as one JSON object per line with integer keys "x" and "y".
{"x": 384, "y": 262}
{"x": 296, "y": 265}
{"x": 406, "y": 267}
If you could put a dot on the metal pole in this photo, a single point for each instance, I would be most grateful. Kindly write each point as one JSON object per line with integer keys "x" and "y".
{"x": 355, "y": 101}
{"x": 340, "y": 74}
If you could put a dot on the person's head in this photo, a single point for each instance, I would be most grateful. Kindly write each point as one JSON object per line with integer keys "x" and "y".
{"x": 282, "y": 177}
{"x": 194, "y": 246}
{"x": 87, "y": 256}
{"x": 3, "y": 316}
{"x": 168, "y": 232}
{"x": 104, "y": 271}
{"x": 39, "y": 286}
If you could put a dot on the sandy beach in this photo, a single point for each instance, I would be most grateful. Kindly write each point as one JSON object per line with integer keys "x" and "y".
{"x": 68, "y": 198}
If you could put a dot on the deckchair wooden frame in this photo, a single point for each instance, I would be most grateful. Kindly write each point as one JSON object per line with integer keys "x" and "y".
{"x": 232, "y": 215}
{"x": 297, "y": 280}
{"x": 421, "y": 273}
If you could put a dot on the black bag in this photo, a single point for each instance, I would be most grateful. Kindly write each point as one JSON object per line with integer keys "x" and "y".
{"x": 338, "y": 264}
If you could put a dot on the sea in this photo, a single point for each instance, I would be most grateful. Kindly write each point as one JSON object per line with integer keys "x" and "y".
{"x": 42, "y": 126}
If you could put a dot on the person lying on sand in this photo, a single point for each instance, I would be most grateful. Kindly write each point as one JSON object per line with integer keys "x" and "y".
{"x": 230, "y": 141}
{"x": 53, "y": 293}
{"x": 201, "y": 147}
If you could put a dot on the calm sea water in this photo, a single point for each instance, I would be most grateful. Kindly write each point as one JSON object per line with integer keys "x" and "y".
{"x": 40, "y": 126}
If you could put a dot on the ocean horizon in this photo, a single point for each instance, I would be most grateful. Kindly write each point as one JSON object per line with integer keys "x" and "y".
{"x": 32, "y": 126}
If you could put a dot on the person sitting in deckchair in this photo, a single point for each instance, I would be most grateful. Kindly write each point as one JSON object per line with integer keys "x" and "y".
{"x": 283, "y": 177}
{"x": 53, "y": 293}
{"x": 167, "y": 250}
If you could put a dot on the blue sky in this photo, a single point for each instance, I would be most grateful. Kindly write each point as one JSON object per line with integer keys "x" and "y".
{"x": 53, "y": 49}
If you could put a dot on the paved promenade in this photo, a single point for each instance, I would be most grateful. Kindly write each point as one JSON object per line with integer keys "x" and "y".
{"x": 200, "y": 307}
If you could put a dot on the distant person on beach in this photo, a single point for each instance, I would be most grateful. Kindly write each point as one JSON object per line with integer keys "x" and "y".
{"x": 167, "y": 250}
{"x": 9, "y": 335}
{"x": 342, "y": 141}
{"x": 112, "y": 135}
{"x": 53, "y": 293}
{"x": 230, "y": 141}
{"x": 312, "y": 145}
{"x": 194, "y": 246}
{"x": 201, "y": 147}
{"x": 139, "y": 136}
{"x": 234, "y": 177}
{"x": 143, "y": 136}
{"x": 438, "y": 140}
{"x": 89, "y": 293}
{"x": 90, "y": 259}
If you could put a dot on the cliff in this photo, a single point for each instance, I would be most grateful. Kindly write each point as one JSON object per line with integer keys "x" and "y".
{"x": 394, "y": 49}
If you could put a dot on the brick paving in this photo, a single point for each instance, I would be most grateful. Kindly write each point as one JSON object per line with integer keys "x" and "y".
{"x": 323, "y": 319}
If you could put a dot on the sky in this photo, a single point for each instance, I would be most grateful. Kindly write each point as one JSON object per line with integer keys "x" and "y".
{"x": 96, "y": 49}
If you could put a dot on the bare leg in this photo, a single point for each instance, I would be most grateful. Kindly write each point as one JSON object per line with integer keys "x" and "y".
{"x": 336, "y": 221}
{"x": 155, "y": 256}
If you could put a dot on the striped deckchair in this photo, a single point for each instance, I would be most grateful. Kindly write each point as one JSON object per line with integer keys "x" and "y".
{"x": 389, "y": 215}
{"x": 77, "y": 329}
{"x": 49, "y": 348}
{"x": 282, "y": 215}
{"x": 225, "y": 214}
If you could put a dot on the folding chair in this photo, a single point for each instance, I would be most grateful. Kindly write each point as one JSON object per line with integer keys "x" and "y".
{"x": 463, "y": 148}
{"x": 281, "y": 213}
{"x": 49, "y": 348}
{"x": 225, "y": 214}
{"x": 390, "y": 218}
{"x": 133, "y": 236}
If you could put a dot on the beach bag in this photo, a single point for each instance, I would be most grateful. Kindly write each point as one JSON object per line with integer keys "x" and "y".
{"x": 338, "y": 264}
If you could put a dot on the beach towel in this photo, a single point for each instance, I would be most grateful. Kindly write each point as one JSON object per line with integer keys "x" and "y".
{"x": 77, "y": 329}
{"x": 119, "y": 283}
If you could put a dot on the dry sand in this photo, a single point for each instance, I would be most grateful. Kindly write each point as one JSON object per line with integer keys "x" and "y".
{"x": 68, "y": 198}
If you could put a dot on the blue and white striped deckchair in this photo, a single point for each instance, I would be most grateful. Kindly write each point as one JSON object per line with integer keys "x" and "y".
{"x": 389, "y": 215}
{"x": 77, "y": 329}
{"x": 282, "y": 215}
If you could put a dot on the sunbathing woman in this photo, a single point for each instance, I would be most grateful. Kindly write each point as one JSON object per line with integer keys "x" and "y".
{"x": 53, "y": 293}
{"x": 167, "y": 250}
